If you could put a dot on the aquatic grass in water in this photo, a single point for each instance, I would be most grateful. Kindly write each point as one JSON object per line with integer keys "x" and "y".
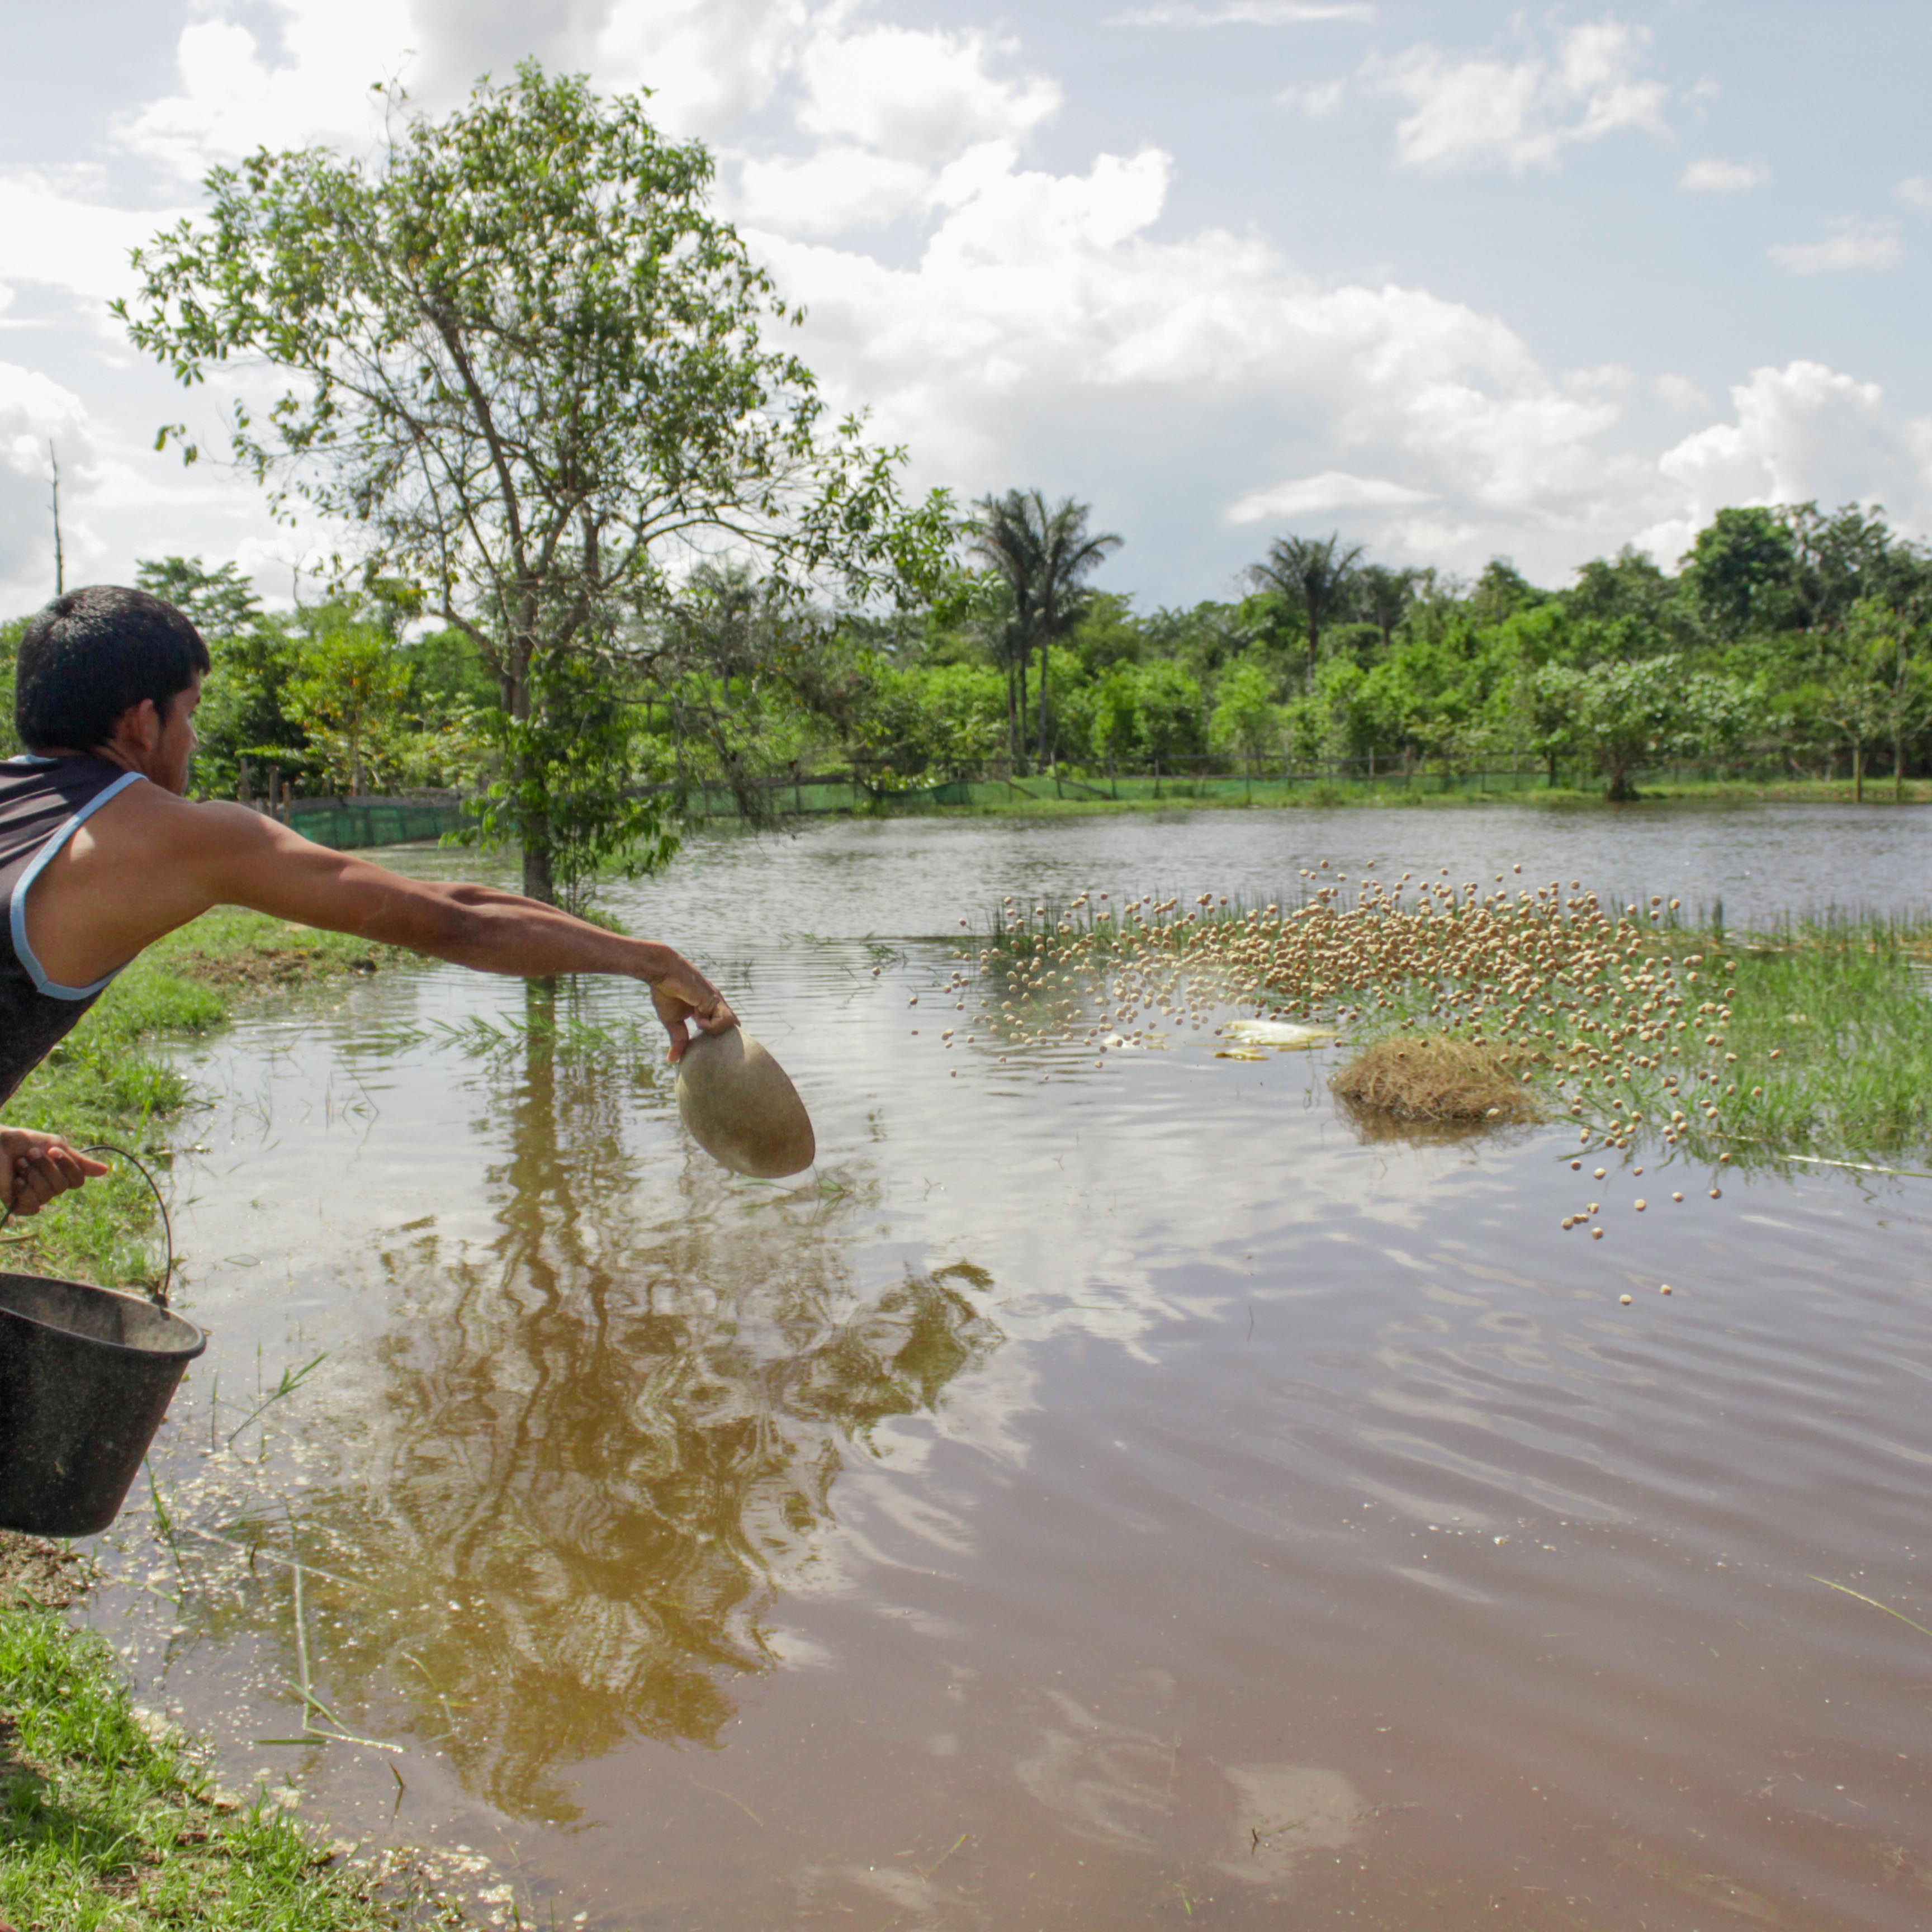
{"x": 1834, "y": 1021}
{"x": 1813, "y": 1040}
{"x": 479, "y": 1034}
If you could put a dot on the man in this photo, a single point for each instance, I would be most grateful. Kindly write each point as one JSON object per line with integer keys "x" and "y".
{"x": 101, "y": 855}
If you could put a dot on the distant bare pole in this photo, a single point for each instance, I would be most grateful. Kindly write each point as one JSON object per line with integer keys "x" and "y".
{"x": 60, "y": 561}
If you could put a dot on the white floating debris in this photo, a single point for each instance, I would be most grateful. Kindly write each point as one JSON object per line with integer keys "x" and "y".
{"x": 1289, "y": 1035}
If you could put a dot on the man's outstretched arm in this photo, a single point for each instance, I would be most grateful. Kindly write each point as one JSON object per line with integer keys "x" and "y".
{"x": 150, "y": 861}
{"x": 253, "y": 862}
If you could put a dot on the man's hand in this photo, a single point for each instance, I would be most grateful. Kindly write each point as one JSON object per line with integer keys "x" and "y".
{"x": 38, "y": 1166}
{"x": 682, "y": 992}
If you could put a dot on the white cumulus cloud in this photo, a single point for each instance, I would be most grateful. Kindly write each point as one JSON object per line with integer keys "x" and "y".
{"x": 1851, "y": 244}
{"x": 281, "y": 73}
{"x": 1317, "y": 99}
{"x": 1712, "y": 176}
{"x": 1680, "y": 393}
{"x": 1800, "y": 432}
{"x": 1242, "y": 13}
{"x": 919, "y": 93}
{"x": 830, "y": 192}
{"x": 231, "y": 97}
{"x": 1047, "y": 334}
{"x": 1333, "y": 490}
{"x": 1917, "y": 189}
{"x": 64, "y": 234}
{"x": 1486, "y": 111}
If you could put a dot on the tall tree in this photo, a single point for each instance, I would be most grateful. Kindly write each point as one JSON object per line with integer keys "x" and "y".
{"x": 1044, "y": 554}
{"x": 524, "y": 371}
{"x": 1883, "y": 688}
{"x": 1742, "y": 570}
{"x": 1850, "y": 553}
{"x": 1383, "y": 595}
{"x": 1315, "y": 572}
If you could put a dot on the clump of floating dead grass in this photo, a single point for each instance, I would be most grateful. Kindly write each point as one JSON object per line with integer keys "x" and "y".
{"x": 1436, "y": 1078}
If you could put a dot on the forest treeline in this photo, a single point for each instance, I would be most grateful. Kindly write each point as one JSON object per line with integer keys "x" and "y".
{"x": 1792, "y": 637}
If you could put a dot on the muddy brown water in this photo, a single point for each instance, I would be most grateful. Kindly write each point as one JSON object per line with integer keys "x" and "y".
{"x": 1103, "y": 1496}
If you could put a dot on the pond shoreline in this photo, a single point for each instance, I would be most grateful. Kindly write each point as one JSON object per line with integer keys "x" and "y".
{"x": 153, "y": 1832}
{"x": 1268, "y": 795}
{"x": 112, "y": 1815}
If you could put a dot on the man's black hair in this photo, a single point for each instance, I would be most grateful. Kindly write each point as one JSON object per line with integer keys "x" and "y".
{"x": 90, "y": 657}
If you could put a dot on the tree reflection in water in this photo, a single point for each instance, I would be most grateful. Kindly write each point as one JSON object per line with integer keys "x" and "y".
{"x": 576, "y": 1474}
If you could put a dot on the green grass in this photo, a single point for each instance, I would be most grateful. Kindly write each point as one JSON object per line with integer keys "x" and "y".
{"x": 102, "y": 1824}
{"x": 113, "y": 1078}
{"x": 1036, "y": 796}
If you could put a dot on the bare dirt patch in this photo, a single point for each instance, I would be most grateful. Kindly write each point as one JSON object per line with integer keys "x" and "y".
{"x": 271, "y": 966}
{"x": 33, "y": 1570}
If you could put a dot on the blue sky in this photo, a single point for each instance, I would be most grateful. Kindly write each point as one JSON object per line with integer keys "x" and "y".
{"x": 1458, "y": 279}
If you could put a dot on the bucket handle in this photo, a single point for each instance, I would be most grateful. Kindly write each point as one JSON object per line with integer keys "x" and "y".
{"x": 160, "y": 1295}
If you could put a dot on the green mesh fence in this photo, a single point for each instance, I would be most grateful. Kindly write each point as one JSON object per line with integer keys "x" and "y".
{"x": 349, "y": 825}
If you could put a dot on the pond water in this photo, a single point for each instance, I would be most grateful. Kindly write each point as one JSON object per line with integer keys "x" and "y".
{"x": 1102, "y": 1495}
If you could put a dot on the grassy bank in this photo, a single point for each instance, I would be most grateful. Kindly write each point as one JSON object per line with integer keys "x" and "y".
{"x": 114, "y": 1078}
{"x": 1041, "y": 797}
{"x": 108, "y": 1819}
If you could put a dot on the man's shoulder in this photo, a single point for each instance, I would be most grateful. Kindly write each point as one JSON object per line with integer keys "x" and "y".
{"x": 150, "y": 817}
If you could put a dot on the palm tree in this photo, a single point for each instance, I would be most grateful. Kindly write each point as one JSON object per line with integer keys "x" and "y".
{"x": 1315, "y": 572}
{"x": 1383, "y": 596}
{"x": 1042, "y": 554}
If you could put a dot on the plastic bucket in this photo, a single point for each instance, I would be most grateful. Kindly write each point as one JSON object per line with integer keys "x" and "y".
{"x": 86, "y": 1376}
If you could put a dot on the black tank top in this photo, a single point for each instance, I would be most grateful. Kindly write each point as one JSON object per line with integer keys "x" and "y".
{"x": 43, "y": 801}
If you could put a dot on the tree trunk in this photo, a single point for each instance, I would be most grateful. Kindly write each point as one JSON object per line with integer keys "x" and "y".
{"x": 539, "y": 883}
{"x": 1898, "y": 765}
{"x": 1012, "y": 721}
{"x": 1858, "y": 774}
{"x": 1041, "y": 759}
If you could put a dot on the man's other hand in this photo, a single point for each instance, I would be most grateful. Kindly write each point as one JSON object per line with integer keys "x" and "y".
{"x": 38, "y": 1166}
{"x": 682, "y": 993}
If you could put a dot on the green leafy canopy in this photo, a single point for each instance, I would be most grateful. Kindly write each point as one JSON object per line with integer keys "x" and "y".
{"x": 521, "y": 365}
